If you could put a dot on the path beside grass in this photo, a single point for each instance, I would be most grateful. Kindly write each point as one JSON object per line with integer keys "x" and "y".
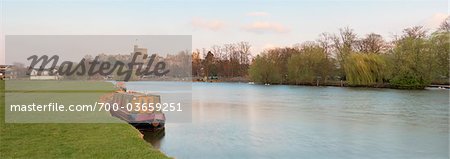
{"x": 71, "y": 140}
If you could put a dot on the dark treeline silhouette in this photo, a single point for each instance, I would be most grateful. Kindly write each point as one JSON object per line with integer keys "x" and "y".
{"x": 229, "y": 60}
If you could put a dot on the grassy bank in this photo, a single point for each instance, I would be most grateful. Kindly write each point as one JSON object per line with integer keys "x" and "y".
{"x": 71, "y": 140}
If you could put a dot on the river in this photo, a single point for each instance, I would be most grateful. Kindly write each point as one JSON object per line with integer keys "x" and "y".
{"x": 237, "y": 120}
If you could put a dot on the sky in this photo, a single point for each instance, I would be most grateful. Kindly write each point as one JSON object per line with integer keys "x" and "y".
{"x": 262, "y": 23}
{"x": 75, "y": 47}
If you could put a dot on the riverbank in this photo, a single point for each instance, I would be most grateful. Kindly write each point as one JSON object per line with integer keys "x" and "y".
{"x": 331, "y": 83}
{"x": 53, "y": 140}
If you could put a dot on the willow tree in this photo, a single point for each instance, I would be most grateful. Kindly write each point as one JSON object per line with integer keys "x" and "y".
{"x": 300, "y": 69}
{"x": 440, "y": 49}
{"x": 264, "y": 70}
{"x": 311, "y": 63}
{"x": 280, "y": 57}
{"x": 413, "y": 60}
{"x": 366, "y": 69}
{"x": 344, "y": 43}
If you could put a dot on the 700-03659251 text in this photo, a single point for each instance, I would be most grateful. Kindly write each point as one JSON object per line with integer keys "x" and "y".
{"x": 97, "y": 106}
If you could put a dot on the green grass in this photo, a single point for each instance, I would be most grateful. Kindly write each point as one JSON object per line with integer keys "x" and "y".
{"x": 119, "y": 140}
{"x": 61, "y": 86}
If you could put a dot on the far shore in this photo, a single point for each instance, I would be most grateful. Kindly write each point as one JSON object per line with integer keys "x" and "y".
{"x": 331, "y": 83}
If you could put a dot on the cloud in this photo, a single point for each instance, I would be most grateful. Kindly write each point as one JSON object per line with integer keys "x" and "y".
{"x": 266, "y": 27}
{"x": 435, "y": 20}
{"x": 213, "y": 25}
{"x": 258, "y": 14}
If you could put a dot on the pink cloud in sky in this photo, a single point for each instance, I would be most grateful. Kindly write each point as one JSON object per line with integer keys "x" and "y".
{"x": 263, "y": 27}
{"x": 214, "y": 25}
{"x": 435, "y": 21}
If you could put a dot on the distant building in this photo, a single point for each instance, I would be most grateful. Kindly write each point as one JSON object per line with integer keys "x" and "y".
{"x": 3, "y": 71}
{"x": 143, "y": 52}
{"x": 46, "y": 74}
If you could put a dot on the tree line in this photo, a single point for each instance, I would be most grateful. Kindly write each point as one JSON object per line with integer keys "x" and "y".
{"x": 412, "y": 60}
{"x": 229, "y": 60}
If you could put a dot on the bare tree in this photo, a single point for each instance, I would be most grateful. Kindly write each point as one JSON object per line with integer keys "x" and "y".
{"x": 344, "y": 43}
{"x": 217, "y": 51}
{"x": 372, "y": 43}
{"x": 415, "y": 32}
{"x": 325, "y": 41}
{"x": 243, "y": 48}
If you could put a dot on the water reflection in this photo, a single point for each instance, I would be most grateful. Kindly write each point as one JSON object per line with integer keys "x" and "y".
{"x": 154, "y": 137}
{"x": 232, "y": 120}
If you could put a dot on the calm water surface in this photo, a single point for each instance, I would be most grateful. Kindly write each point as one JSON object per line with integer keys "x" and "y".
{"x": 231, "y": 120}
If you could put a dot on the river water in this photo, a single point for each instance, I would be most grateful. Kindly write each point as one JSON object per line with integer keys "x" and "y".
{"x": 236, "y": 120}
